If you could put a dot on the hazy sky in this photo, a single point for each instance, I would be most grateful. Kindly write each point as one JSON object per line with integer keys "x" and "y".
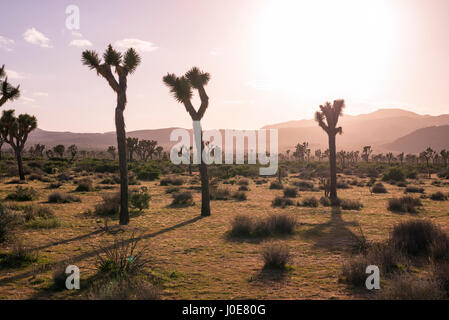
{"x": 270, "y": 60}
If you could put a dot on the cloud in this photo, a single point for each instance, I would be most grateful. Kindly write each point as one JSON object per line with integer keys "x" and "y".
{"x": 80, "y": 43}
{"x": 25, "y": 100}
{"x": 6, "y": 43}
{"x": 139, "y": 45}
{"x": 33, "y": 36}
{"x": 14, "y": 74}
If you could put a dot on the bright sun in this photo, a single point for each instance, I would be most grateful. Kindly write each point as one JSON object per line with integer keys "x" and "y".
{"x": 324, "y": 48}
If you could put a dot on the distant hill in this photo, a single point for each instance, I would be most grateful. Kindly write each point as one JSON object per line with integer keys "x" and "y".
{"x": 376, "y": 129}
{"x": 381, "y": 129}
{"x": 435, "y": 137}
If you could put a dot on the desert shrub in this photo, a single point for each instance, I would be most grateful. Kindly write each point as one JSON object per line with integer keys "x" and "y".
{"x": 310, "y": 202}
{"x": 304, "y": 185}
{"x": 219, "y": 194}
{"x": 172, "y": 181}
{"x": 438, "y": 196}
{"x": 347, "y": 204}
{"x": 23, "y": 194}
{"x": 276, "y": 256}
{"x": 354, "y": 271}
{"x": 147, "y": 173}
{"x": 342, "y": 185}
{"x": 243, "y": 182}
{"x": 37, "y": 176}
{"x": 272, "y": 225}
{"x": 414, "y": 189}
{"x": 394, "y": 174}
{"x": 417, "y": 237}
{"x": 275, "y": 224}
{"x": 182, "y": 198}
{"x": 276, "y": 185}
{"x": 262, "y": 181}
{"x": 241, "y": 226}
{"x": 109, "y": 206}
{"x": 54, "y": 185}
{"x": 290, "y": 192}
{"x": 325, "y": 202}
{"x": 440, "y": 273}
{"x": 18, "y": 257}
{"x": 172, "y": 190}
{"x": 85, "y": 185}
{"x": 122, "y": 258}
{"x": 140, "y": 199}
{"x": 243, "y": 188}
{"x": 402, "y": 184}
{"x": 411, "y": 288}
{"x": 59, "y": 278}
{"x": 110, "y": 180}
{"x": 281, "y": 202}
{"x": 34, "y": 212}
{"x": 124, "y": 288}
{"x": 63, "y": 177}
{"x": 59, "y": 197}
{"x": 7, "y": 222}
{"x": 379, "y": 188}
{"x": 404, "y": 204}
{"x": 239, "y": 196}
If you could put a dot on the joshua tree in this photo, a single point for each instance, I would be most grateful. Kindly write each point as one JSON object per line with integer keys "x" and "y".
{"x": 131, "y": 147}
{"x": 366, "y": 153}
{"x": 15, "y": 132}
{"x": 146, "y": 149}
{"x": 37, "y": 150}
{"x": 428, "y": 155}
{"x": 330, "y": 114}
{"x": 181, "y": 88}
{"x": 59, "y": 150}
{"x": 73, "y": 149}
{"x": 401, "y": 158}
{"x": 159, "y": 150}
{"x": 8, "y": 91}
{"x": 390, "y": 157}
{"x": 111, "y": 151}
{"x": 444, "y": 155}
{"x": 124, "y": 65}
{"x": 49, "y": 154}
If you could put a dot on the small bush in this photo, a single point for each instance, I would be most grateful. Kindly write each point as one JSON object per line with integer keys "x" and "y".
{"x": 182, "y": 198}
{"x": 85, "y": 185}
{"x": 310, "y": 202}
{"x": 148, "y": 174}
{"x": 40, "y": 218}
{"x": 59, "y": 278}
{"x": 276, "y": 256}
{"x": 7, "y": 222}
{"x": 325, "y": 202}
{"x": 379, "y": 188}
{"x": 219, "y": 194}
{"x": 414, "y": 189}
{"x": 23, "y": 194}
{"x": 304, "y": 185}
{"x": 54, "y": 185}
{"x": 276, "y": 185}
{"x": 243, "y": 188}
{"x": 172, "y": 190}
{"x": 243, "y": 182}
{"x": 239, "y": 196}
{"x": 241, "y": 226}
{"x": 19, "y": 257}
{"x": 59, "y": 197}
{"x": 441, "y": 275}
{"x": 140, "y": 199}
{"x": 411, "y": 288}
{"x": 281, "y": 202}
{"x": 404, "y": 204}
{"x": 394, "y": 174}
{"x": 438, "y": 196}
{"x": 417, "y": 237}
{"x": 347, "y": 204}
{"x": 124, "y": 288}
{"x": 172, "y": 181}
{"x": 110, "y": 205}
{"x": 290, "y": 192}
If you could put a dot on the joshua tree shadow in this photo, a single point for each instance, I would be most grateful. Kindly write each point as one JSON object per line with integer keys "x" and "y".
{"x": 92, "y": 253}
{"x": 334, "y": 234}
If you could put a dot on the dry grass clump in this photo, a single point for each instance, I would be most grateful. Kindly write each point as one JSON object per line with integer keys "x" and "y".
{"x": 272, "y": 225}
{"x": 276, "y": 256}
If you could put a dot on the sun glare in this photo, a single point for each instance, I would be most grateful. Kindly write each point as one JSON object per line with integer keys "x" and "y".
{"x": 324, "y": 48}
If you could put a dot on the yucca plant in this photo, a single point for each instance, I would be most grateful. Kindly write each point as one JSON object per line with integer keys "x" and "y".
{"x": 123, "y": 65}
{"x": 8, "y": 92}
{"x": 327, "y": 119}
{"x": 182, "y": 90}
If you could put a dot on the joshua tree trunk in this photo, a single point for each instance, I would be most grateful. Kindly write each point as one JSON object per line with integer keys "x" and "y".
{"x": 333, "y": 168}
{"x": 121, "y": 144}
{"x": 205, "y": 196}
{"x": 19, "y": 164}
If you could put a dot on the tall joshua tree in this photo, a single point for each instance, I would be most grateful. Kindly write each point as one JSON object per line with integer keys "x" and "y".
{"x": 327, "y": 119}
{"x": 124, "y": 65}
{"x": 15, "y": 131}
{"x": 182, "y": 90}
